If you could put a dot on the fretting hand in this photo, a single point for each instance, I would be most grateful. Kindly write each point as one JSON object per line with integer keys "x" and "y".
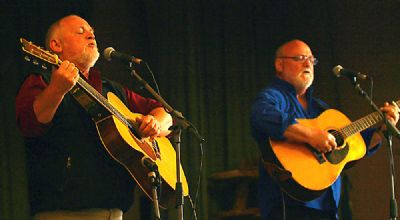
{"x": 64, "y": 77}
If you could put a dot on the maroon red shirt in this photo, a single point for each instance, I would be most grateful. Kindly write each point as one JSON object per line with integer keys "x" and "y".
{"x": 35, "y": 84}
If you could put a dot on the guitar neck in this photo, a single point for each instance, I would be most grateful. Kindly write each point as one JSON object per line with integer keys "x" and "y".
{"x": 81, "y": 84}
{"x": 362, "y": 123}
{"x": 93, "y": 93}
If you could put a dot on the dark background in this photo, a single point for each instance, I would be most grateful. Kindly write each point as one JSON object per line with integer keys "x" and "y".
{"x": 210, "y": 58}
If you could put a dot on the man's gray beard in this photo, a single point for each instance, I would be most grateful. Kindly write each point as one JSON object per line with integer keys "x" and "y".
{"x": 90, "y": 59}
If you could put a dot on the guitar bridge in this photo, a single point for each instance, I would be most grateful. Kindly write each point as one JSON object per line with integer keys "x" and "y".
{"x": 156, "y": 149}
{"x": 317, "y": 154}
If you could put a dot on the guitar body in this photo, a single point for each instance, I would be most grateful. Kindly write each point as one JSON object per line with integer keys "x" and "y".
{"x": 309, "y": 173}
{"x": 128, "y": 150}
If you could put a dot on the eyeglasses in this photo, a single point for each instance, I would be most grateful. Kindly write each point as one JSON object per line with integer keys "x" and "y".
{"x": 302, "y": 58}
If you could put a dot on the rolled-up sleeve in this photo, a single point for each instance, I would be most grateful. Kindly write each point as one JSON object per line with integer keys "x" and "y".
{"x": 25, "y": 115}
{"x": 140, "y": 104}
{"x": 269, "y": 116}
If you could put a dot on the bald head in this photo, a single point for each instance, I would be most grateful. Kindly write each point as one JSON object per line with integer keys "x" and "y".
{"x": 289, "y": 46}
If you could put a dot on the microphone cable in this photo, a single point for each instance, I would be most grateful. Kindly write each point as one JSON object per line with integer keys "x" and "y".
{"x": 152, "y": 76}
{"x": 196, "y": 198}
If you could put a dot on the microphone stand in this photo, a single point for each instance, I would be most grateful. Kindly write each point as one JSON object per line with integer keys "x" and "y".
{"x": 391, "y": 131}
{"x": 155, "y": 183}
{"x": 180, "y": 124}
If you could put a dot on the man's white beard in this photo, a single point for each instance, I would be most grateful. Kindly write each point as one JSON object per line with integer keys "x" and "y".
{"x": 89, "y": 59}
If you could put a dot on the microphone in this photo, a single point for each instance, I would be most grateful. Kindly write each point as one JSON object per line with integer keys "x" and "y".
{"x": 148, "y": 163}
{"x": 339, "y": 71}
{"x": 110, "y": 53}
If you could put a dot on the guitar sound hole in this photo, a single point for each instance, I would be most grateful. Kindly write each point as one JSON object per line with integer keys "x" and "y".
{"x": 338, "y": 137}
{"x": 337, "y": 156}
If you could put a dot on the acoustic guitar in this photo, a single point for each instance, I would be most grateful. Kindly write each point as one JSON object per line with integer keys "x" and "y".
{"x": 117, "y": 131}
{"x": 303, "y": 172}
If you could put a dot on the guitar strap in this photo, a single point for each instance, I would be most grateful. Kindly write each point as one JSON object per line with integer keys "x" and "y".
{"x": 92, "y": 107}
{"x": 116, "y": 88}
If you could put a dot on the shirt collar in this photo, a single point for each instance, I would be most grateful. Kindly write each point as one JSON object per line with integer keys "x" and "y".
{"x": 289, "y": 88}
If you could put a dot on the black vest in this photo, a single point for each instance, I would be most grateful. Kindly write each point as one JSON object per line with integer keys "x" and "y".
{"x": 68, "y": 167}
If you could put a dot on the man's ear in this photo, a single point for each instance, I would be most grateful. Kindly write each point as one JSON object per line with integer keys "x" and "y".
{"x": 55, "y": 46}
{"x": 279, "y": 65}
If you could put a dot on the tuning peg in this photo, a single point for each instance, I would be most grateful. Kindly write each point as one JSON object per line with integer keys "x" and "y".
{"x": 27, "y": 58}
{"x": 44, "y": 67}
{"x": 35, "y": 62}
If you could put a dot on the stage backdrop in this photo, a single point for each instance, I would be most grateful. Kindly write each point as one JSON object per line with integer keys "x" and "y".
{"x": 210, "y": 58}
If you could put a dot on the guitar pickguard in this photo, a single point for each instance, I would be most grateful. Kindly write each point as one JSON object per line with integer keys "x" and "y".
{"x": 338, "y": 155}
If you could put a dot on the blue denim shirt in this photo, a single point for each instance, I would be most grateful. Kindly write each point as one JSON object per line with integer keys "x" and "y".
{"x": 274, "y": 110}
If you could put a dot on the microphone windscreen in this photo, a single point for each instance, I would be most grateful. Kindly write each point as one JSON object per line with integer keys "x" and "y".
{"x": 107, "y": 53}
{"x": 336, "y": 70}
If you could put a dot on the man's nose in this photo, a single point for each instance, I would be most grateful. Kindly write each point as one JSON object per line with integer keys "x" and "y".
{"x": 90, "y": 35}
{"x": 308, "y": 62}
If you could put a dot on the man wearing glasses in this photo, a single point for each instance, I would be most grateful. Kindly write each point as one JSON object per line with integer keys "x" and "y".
{"x": 274, "y": 113}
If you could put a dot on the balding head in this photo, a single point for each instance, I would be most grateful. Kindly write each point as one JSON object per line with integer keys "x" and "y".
{"x": 287, "y": 47}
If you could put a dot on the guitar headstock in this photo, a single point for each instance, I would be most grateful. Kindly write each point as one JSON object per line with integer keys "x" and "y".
{"x": 38, "y": 52}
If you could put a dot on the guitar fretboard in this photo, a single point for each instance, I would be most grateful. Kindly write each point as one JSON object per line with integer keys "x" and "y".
{"x": 103, "y": 101}
{"x": 362, "y": 124}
